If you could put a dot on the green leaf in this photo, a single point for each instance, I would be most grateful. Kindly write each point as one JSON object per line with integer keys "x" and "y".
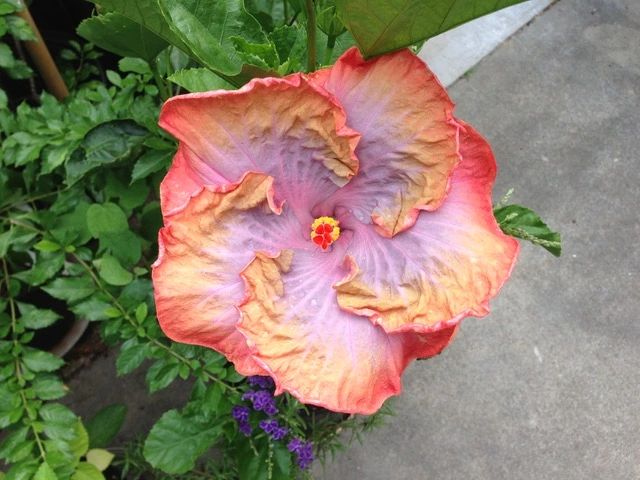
{"x": 87, "y": 471}
{"x": 46, "y": 266}
{"x": 199, "y": 80}
{"x": 141, "y": 312}
{"x": 107, "y": 218}
{"x": 161, "y": 374}
{"x": 93, "y": 309}
{"x": 100, "y": 458}
{"x": 524, "y": 223}
{"x": 45, "y": 472}
{"x": 250, "y": 465}
{"x": 22, "y": 471}
{"x": 105, "y": 425}
{"x": 36, "y": 318}
{"x": 176, "y": 442}
{"x": 112, "y": 272}
{"x": 47, "y": 246}
{"x": 125, "y": 246}
{"x": 146, "y": 13}
{"x": 153, "y": 160}
{"x": 70, "y": 289}
{"x": 207, "y": 26}
{"x": 135, "y": 65}
{"x": 41, "y": 361}
{"x": 49, "y": 387}
{"x": 13, "y": 445}
{"x": 120, "y": 35}
{"x": 381, "y": 26}
{"x": 105, "y": 144}
{"x": 131, "y": 356}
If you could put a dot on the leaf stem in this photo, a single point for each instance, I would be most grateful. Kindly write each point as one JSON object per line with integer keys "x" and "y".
{"x": 311, "y": 36}
{"x": 328, "y": 53}
{"x": 162, "y": 86}
{"x": 286, "y": 10}
{"x": 19, "y": 378}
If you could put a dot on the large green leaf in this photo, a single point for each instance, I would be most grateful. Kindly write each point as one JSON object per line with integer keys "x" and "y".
{"x": 146, "y": 13}
{"x": 198, "y": 80}
{"x": 175, "y": 442}
{"x": 381, "y": 26}
{"x": 206, "y": 27}
{"x": 121, "y": 35}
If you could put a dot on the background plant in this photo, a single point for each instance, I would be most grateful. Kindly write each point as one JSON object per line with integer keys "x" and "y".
{"x": 79, "y": 215}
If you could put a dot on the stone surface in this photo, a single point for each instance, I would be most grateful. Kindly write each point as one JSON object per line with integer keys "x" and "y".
{"x": 547, "y": 386}
{"x": 451, "y": 54}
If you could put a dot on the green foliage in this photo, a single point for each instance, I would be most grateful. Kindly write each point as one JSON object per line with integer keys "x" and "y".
{"x": 120, "y": 35}
{"x": 105, "y": 425}
{"x": 524, "y": 223}
{"x": 79, "y": 215}
{"x": 385, "y": 25}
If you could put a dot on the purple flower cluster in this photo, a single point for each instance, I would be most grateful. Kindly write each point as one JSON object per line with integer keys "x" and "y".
{"x": 265, "y": 383}
{"x": 240, "y": 414}
{"x": 273, "y": 428}
{"x": 303, "y": 451}
{"x": 262, "y": 401}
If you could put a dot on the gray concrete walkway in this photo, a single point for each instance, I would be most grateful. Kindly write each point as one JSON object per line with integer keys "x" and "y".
{"x": 547, "y": 386}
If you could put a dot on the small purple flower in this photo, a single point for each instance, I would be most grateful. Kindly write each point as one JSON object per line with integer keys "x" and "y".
{"x": 303, "y": 451}
{"x": 245, "y": 428}
{"x": 263, "y": 401}
{"x": 265, "y": 383}
{"x": 273, "y": 428}
{"x": 240, "y": 413}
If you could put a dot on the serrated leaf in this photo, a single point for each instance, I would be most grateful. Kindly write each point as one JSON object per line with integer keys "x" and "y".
{"x": 199, "y": 80}
{"x": 93, "y": 309}
{"x": 49, "y": 387}
{"x": 41, "y": 361}
{"x": 207, "y": 26}
{"x": 176, "y": 442}
{"x": 381, "y": 26}
{"x": 105, "y": 425}
{"x": 146, "y": 13}
{"x": 120, "y": 35}
{"x": 107, "y": 218}
{"x": 100, "y": 458}
{"x": 522, "y": 222}
{"x": 45, "y": 472}
{"x": 131, "y": 356}
{"x": 161, "y": 374}
{"x": 112, "y": 272}
{"x": 36, "y": 318}
{"x": 87, "y": 471}
{"x": 105, "y": 144}
{"x": 70, "y": 289}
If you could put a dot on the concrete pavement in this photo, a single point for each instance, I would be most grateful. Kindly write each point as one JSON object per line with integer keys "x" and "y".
{"x": 547, "y": 386}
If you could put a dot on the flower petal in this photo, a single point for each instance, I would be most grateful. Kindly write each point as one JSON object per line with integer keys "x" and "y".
{"x": 446, "y": 267}
{"x": 203, "y": 249}
{"x": 284, "y": 127}
{"x": 319, "y": 353}
{"x": 409, "y": 136}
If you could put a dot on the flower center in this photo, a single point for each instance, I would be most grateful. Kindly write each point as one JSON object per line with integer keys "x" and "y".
{"x": 325, "y": 231}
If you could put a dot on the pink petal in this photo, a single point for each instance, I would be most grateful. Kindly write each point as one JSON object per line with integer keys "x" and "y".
{"x": 447, "y": 266}
{"x": 314, "y": 350}
{"x": 203, "y": 249}
{"x": 283, "y": 127}
{"x": 409, "y": 137}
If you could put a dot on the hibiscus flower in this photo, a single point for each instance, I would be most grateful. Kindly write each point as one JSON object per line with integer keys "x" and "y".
{"x": 327, "y": 229}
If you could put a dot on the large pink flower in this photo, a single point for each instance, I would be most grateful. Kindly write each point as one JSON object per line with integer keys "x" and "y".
{"x": 327, "y": 230}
